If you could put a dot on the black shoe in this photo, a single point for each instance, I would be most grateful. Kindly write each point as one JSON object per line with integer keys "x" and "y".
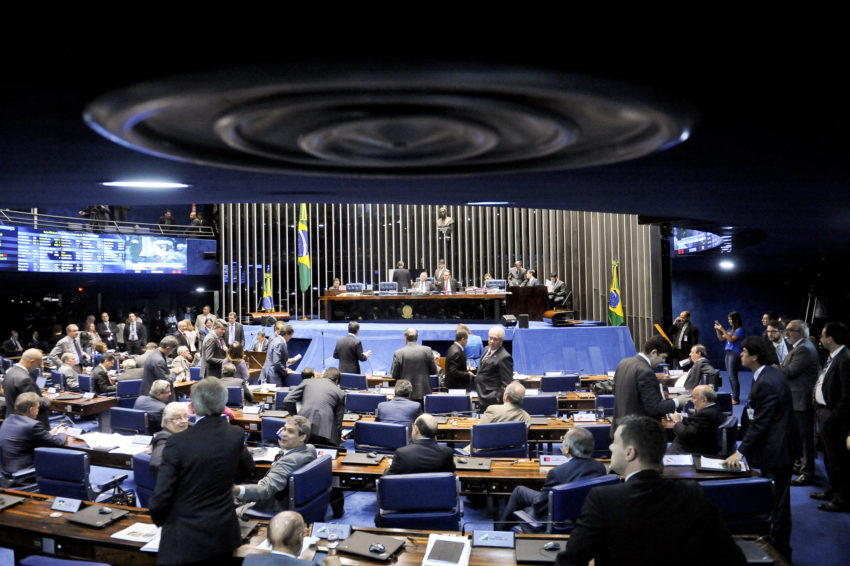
{"x": 831, "y": 506}
{"x": 821, "y": 495}
{"x": 803, "y": 479}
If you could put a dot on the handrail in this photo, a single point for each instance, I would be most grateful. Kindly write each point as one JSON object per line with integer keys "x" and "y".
{"x": 81, "y": 224}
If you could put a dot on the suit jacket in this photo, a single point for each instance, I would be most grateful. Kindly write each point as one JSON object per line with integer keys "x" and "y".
{"x": 322, "y": 403}
{"x": 416, "y": 364}
{"x": 453, "y": 286}
{"x": 769, "y": 437}
{"x": 516, "y": 276}
{"x": 18, "y": 381}
{"x": 153, "y": 407}
{"x": 107, "y": 331}
{"x": 801, "y": 367}
{"x": 505, "y": 413}
{"x": 618, "y": 524}
{"x": 423, "y": 456}
{"x": 533, "y": 282}
{"x": 213, "y": 356}
{"x": 274, "y": 368}
{"x": 398, "y": 411}
{"x": 192, "y": 501}
{"x": 637, "y": 391}
{"x": 573, "y": 470}
{"x": 698, "y": 434}
{"x": 201, "y": 321}
{"x": 701, "y": 366}
{"x": 559, "y": 293}
{"x": 19, "y": 437}
{"x": 66, "y": 346}
{"x": 141, "y": 332}
{"x": 258, "y": 347}
{"x": 156, "y": 367}
{"x": 689, "y": 337}
{"x": 495, "y": 372}
{"x": 349, "y": 352}
{"x": 274, "y": 560}
{"x": 424, "y": 287}
{"x": 272, "y": 491}
{"x": 10, "y": 350}
{"x": 457, "y": 375}
{"x": 101, "y": 380}
{"x": 402, "y": 277}
{"x": 238, "y": 332}
{"x": 836, "y": 393}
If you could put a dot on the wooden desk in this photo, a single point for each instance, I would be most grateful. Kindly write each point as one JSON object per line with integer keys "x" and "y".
{"x": 84, "y": 407}
{"x": 435, "y": 308}
{"x": 28, "y": 528}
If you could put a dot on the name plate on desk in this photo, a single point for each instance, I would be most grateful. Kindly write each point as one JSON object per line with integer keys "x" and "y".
{"x": 552, "y": 459}
{"x": 497, "y": 539}
{"x": 391, "y": 391}
{"x": 327, "y": 451}
{"x": 251, "y": 410}
{"x": 584, "y": 417}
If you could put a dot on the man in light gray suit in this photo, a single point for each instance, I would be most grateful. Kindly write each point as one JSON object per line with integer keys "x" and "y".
{"x": 516, "y": 275}
{"x": 801, "y": 369}
{"x": 414, "y": 363}
{"x": 69, "y": 344}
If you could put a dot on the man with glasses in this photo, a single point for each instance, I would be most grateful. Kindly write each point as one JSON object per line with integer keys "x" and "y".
{"x": 775, "y": 334}
{"x": 801, "y": 369}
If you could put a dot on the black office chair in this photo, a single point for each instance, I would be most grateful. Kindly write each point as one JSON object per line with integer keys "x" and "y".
{"x": 727, "y": 437}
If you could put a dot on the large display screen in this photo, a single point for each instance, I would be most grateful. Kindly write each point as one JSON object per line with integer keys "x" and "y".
{"x": 686, "y": 241}
{"x": 27, "y": 249}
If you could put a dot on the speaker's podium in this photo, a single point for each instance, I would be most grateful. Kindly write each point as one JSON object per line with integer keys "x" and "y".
{"x": 559, "y": 318}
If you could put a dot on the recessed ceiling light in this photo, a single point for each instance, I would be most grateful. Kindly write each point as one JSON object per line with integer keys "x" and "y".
{"x": 152, "y": 185}
{"x": 726, "y": 264}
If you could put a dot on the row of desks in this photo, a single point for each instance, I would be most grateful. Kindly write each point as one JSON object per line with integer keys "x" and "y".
{"x": 28, "y": 528}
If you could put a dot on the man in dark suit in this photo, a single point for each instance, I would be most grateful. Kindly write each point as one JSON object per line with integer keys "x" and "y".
{"x": 261, "y": 344}
{"x": 21, "y": 434}
{"x": 213, "y": 352}
{"x": 402, "y": 276}
{"x": 767, "y": 427}
{"x": 135, "y": 334}
{"x": 801, "y": 368}
{"x": 275, "y": 367}
{"x": 235, "y": 332}
{"x": 349, "y": 350}
{"x": 832, "y": 407}
{"x": 103, "y": 383}
{"x": 698, "y": 434}
{"x": 424, "y": 454}
{"x": 12, "y": 348}
{"x": 637, "y": 390}
{"x": 156, "y": 365}
{"x": 516, "y": 275}
{"x": 323, "y": 404}
{"x": 107, "y": 330}
{"x": 447, "y": 285}
{"x": 270, "y": 494}
{"x": 286, "y": 535}
{"x": 701, "y": 365}
{"x": 558, "y": 296}
{"x": 577, "y": 446}
{"x": 154, "y": 403}
{"x": 619, "y": 523}
{"x": 684, "y": 334}
{"x": 193, "y": 501}
{"x": 530, "y": 279}
{"x": 457, "y": 373}
{"x": 414, "y": 363}
{"x": 400, "y": 409}
{"x": 495, "y": 370}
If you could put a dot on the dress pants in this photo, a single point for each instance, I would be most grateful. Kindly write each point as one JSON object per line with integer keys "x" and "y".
{"x": 836, "y": 458}
{"x": 733, "y": 364}
{"x": 806, "y": 431}
{"x": 780, "y": 531}
{"x": 521, "y": 498}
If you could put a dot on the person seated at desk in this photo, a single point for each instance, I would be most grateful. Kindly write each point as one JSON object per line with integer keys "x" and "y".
{"x": 698, "y": 434}
{"x": 103, "y": 383}
{"x": 510, "y": 409}
{"x": 577, "y": 446}
{"x": 271, "y": 493}
{"x": 154, "y": 403}
{"x": 336, "y": 286}
{"x": 21, "y": 433}
{"x": 175, "y": 419}
{"x": 69, "y": 361}
{"x": 558, "y": 296}
{"x": 423, "y": 286}
{"x": 620, "y": 523}
{"x": 130, "y": 371}
{"x": 230, "y": 378}
{"x": 447, "y": 285}
{"x": 701, "y": 365}
{"x": 424, "y": 454}
{"x": 399, "y": 410}
{"x": 530, "y": 279}
{"x": 182, "y": 363}
{"x": 12, "y": 348}
{"x": 286, "y": 536}
{"x": 261, "y": 345}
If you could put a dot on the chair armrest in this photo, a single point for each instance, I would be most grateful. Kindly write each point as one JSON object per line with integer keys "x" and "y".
{"x": 114, "y": 482}
{"x": 527, "y": 518}
{"x": 21, "y": 474}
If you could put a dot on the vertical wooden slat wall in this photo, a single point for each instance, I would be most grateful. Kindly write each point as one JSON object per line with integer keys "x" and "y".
{"x": 363, "y": 242}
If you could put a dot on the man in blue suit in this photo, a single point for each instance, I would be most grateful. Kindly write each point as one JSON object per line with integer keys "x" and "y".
{"x": 285, "y": 534}
{"x": 577, "y": 446}
{"x": 401, "y": 410}
{"x": 277, "y": 356}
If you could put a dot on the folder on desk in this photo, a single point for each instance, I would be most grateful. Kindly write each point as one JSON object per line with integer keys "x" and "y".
{"x": 351, "y": 417}
{"x": 7, "y": 501}
{"x": 276, "y": 414}
{"x": 531, "y": 551}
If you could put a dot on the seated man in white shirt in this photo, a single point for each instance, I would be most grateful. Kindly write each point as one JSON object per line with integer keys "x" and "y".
{"x": 286, "y": 535}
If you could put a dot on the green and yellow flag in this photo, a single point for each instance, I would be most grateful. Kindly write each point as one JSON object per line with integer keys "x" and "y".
{"x": 615, "y": 303}
{"x": 268, "y": 300}
{"x": 303, "y": 250}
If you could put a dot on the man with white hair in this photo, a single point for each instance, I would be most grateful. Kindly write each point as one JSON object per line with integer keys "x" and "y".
{"x": 495, "y": 370}
{"x": 70, "y": 343}
{"x": 69, "y": 361}
{"x": 154, "y": 403}
{"x": 182, "y": 362}
{"x": 801, "y": 368}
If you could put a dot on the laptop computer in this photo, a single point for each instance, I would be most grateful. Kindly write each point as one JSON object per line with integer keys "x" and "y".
{"x": 363, "y": 459}
{"x": 96, "y": 516}
{"x": 369, "y": 545}
{"x": 7, "y": 501}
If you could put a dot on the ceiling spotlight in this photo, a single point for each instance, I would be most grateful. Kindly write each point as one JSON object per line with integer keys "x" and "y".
{"x": 726, "y": 265}
{"x": 149, "y": 185}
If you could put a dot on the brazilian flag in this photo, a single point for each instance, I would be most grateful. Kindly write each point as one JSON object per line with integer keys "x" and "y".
{"x": 268, "y": 300}
{"x": 615, "y": 303}
{"x": 303, "y": 250}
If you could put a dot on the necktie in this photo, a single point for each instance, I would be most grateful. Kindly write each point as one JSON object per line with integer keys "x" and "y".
{"x": 79, "y": 352}
{"x": 133, "y": 332}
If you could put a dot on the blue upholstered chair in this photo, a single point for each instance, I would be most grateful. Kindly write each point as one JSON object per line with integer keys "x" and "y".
{"x": 745, "y": 504}
{"x": 559, "y": 383}
{"x": 309, "y": 491}
{"x": 508, "y": 439}
{"x": 540, "y": 405}
{"x": 280, "y": 399}
{"x": 269, "y": 427}
{"x": 380, "y": 437}
{"x": 605, "y": 402}
{"x": 57, "y": 378}
{"x": 565, "y": 503}
{"x": 39, "y": 560}
{"x": 446, "y": 404}
{"x": 65, "y": 473}
{"x": 128, "y": 421}
{"x": 143, "y": 478}
{"x": 353, "y": 381}
{"x": 195, "y": 373}
{"x": 292, "y": 380}
{"x": 234, "y": 396}
{"x": 727, "y": 437}
{"x": 601, "y": 439}
{"x": 86, "y": 383}
{"x": 419, "y": 501}
{"x": 128, "y": 392}
{"x": 362, "y": 402}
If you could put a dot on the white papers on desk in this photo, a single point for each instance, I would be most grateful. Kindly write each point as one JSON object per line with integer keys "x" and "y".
{"x": 521, "y": 376}
{"x": 678, "y": 460}
{"x": 138, "y": 532}
{"x": 531, "y": 392}
{"x": 443, "y": 550}
{"x": 117, "y": 443}
{"x": 676, "y": 390}
{"x": 706, "y": 463}
{"x": 266, "y": 454}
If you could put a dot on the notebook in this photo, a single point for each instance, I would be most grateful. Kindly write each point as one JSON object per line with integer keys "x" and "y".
{"x": 360, "y": 541}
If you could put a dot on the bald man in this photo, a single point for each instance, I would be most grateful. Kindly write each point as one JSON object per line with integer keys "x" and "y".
{"x": 18, "y": 380}
{"x": 424, "y": 454}
{"x": 285, "y": 534}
